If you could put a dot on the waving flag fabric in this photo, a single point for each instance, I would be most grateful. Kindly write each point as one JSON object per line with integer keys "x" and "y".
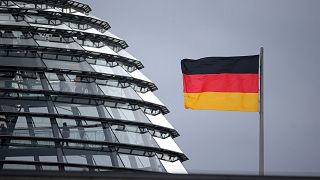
{"x": 221, "y": 83}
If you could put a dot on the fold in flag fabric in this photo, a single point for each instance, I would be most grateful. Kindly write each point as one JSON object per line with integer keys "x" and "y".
{"x": 221, "y": 83}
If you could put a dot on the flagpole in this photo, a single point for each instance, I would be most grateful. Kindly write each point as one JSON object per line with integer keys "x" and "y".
{"x": 261, "y": 117}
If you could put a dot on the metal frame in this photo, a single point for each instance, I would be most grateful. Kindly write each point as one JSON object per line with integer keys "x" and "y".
{"x": 62, "y": 3}
{"x": 91, "y": 99}
{"x": 151, "y": 127}
{"x": 102, "y": 76}
{"x": 130, "y": 149}
{"x": 75, "y": 165}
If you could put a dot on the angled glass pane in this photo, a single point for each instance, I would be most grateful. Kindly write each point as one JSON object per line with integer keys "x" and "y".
{"x": 104, "y": 50}
{"x": 81, "y": 110}
{"x": 18, "y": 41}
{"x": 74, "y": 85}
{"x": 90, "y": 157}
{"x": 117, "y": 70}
{"x": 11, "y": 105}
{"x": 51, "y": 26}
{"x": 174, "y": 167}
{"x": 130, "y": 115}
{"x": 20, "y": 80}
{"x": 84, "y": 130}
{"x": 133, "y": 135}
{"x": 75, "y": 66}
{"x": 31, "y": 126}
{"x": 159, "y": 120}
{"x": 127, "y": 92}
{"x": 19, "y": 167}
{"x": 21, "y": 62}
{"x": 168, "y": 143}
{"x": 73, "y": 45}
{"x": 142, "y": 162}
{"x": 137, "y": 74}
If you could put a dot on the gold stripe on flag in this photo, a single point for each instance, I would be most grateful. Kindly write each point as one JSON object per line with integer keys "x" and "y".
{"x": 225, "y": 101}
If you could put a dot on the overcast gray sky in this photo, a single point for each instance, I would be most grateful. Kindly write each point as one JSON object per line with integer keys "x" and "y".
{"x": 162, "y": 32}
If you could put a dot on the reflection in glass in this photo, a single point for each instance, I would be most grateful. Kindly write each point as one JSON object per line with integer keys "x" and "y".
{"x": 81, "y": 110}
{"x": 126, "y": 114}
{"x": 20, "y": 80}
{"x": 84, "y": 130}
{"x": 73, "y": 84}
{"x": 30, "y": 126}
{"x": 120, "y": 92}
{"x": 142, "y": 162}
{"x": 91, "y": 158}
{"x": 12, "y": 105}
{"x": 133, "y": 135}
{"x": 117, "y": 70}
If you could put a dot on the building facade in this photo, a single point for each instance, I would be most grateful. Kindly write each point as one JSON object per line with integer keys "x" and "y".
{"x": 72, "y": 98}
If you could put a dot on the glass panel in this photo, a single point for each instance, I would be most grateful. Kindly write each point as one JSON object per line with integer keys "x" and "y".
{"x": 30, "y": 126}
{"x": 117, "y": 70}
{"x": 168, "y": 143}
{"x": 36, "y": 19}
{"x": 132, "y": 135}
{"x": 120, "y": 92}
{"x": 48, "y": 159}
{"x": 91, "y": 158}
{"x": 138, "y": 74}
{"x": 141, "y": 162}
{"x": 104, "y": 50}
{"x": 174, "y": 167}
{"x": 42, "y": 127}
{"x": 50, "y": 168}
{"x": 20, "y": 158}
{"x": 102, "y": 160}
{"x": 159, "y": 120}
{"x": 19, "y": 166}
{"x": 21, "y": 80}
{"x": 24, "y": 4}
{"x": 74, "y": 85}
{"x": 131, "y": 115}
{"x": 73, "y": 45}
{"x": 81, "y": 110}
{"x": 75, "y": 66}
{"x": 150, "y": 97}
{"x": 16, "y": 41}
{"x": 6, "y": 17}
{"x": 84, "y": 130}
{"x": 10, "y": 105}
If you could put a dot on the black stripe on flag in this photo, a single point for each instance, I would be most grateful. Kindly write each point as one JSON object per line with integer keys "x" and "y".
{"x": 218, "y": 65}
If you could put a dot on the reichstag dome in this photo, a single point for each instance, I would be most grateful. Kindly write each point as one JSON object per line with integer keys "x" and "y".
{"x": 73, "y": 99}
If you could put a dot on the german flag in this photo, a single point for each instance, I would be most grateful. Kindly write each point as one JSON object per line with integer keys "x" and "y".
{"x": 221, "y": 83}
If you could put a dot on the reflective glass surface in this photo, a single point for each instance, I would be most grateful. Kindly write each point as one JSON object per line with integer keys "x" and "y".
{"x": 130, "y": 115}
{"x": 11, "y": 105}
{"x": 20, "y": 80}
{"x": 72, "y": 83}
{"x": 133, "y": 135}
{"x": 120, "y": 92}
{"x": 117, "y": 70}
{"x": 71, "y": 96}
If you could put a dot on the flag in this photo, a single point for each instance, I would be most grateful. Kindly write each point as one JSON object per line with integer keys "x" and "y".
{"x": 221, "y": 83}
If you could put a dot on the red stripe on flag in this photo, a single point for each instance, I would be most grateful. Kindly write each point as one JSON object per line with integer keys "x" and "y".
{"x": 196, "y": 83}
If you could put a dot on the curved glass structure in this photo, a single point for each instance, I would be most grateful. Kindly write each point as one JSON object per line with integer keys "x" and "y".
{"x": 72, "y": 98}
